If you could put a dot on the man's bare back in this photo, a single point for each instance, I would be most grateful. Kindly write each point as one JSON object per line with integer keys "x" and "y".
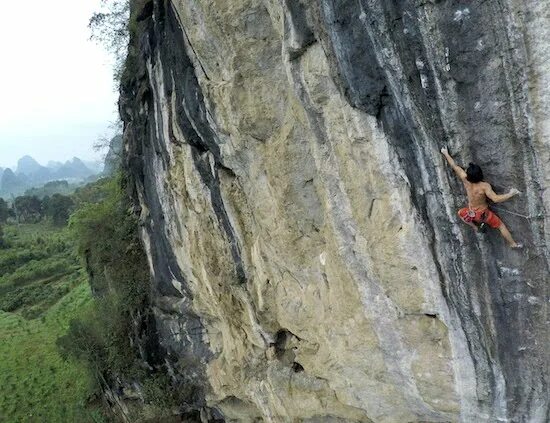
{"x": 478, "y": 192}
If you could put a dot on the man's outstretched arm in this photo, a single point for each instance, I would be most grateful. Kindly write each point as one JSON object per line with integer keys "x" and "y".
{"x": 458, "y": 170}
{"x": 496, "y": 198}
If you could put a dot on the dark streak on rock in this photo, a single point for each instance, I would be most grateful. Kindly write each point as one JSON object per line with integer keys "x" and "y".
{"x": 191, "y": 118}
{"x": 297, "y": 29}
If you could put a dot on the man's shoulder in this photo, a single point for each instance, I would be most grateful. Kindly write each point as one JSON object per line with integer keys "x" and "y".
{"x": 485, "y": 185}
{"x": 478, "y": 185}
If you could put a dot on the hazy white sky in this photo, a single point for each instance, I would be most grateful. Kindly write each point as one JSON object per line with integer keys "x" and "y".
{"x": 57, "y": 94}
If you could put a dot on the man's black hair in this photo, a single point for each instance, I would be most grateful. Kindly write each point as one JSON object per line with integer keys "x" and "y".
{"x": 474, "y": 173}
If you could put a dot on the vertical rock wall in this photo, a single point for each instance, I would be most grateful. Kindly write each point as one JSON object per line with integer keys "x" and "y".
{"x": 300, "y": 223}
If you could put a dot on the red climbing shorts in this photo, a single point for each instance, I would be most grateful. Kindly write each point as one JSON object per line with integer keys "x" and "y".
{"x": 477, "y": 216}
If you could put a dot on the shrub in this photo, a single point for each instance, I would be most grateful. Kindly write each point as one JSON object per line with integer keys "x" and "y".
{"x": 106, "y": 234}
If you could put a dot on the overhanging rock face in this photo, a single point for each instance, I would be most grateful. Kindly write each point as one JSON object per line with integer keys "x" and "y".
{"x": 301, "y": 224}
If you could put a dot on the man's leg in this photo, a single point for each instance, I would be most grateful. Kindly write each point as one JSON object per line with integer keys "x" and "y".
{"x": 507, "y": 235}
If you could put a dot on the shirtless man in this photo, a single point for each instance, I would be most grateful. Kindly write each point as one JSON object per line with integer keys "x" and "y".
{"x": 478, "y": 191}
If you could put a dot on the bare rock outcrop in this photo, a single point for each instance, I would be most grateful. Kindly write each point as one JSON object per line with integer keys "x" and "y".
{"x": 301, "y": 225}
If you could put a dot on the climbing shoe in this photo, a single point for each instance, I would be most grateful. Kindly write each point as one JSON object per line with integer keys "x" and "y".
{"x": 482, "y": 227}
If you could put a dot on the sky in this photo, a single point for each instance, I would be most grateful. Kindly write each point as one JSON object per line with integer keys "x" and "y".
{"x": 57, "y": 95}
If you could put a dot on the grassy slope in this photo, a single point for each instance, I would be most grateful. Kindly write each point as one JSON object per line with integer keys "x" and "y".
{"x": 43, "y": 293}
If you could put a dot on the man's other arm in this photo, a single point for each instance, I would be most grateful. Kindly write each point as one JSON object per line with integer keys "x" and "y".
{"x": 499, "y": 198}
{"x": 458, "y": 170}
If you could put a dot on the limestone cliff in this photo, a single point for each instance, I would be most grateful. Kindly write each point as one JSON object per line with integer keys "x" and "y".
{"x": 301, "y": 224}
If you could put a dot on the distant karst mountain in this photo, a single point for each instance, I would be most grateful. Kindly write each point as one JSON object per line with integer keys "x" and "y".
{"x": 54, "y": 165}
{"x": 29, "y": 173}
{"x": 12, "y": 183}
{"x": 74, "y": 168}
{"x": 96, "y": 166}
{"x": 28, "y": 166}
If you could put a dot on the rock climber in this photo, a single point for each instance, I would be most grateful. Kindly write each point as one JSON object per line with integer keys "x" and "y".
{"x": 478, "y": 214}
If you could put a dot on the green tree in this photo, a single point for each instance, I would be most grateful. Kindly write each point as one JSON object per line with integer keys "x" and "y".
{"x": 92, "y": 193}
{"x": 4, "y": 211}
{"x": 29, "y": 208}
{"x": 109, "y": 27}
{"x": 59, "y": 208}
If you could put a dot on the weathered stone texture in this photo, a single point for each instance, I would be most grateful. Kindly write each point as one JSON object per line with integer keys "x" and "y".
{"x": 300, "y": 222}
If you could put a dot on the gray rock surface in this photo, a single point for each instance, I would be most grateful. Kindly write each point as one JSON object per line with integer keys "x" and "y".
{"x": 301, "y": 224}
